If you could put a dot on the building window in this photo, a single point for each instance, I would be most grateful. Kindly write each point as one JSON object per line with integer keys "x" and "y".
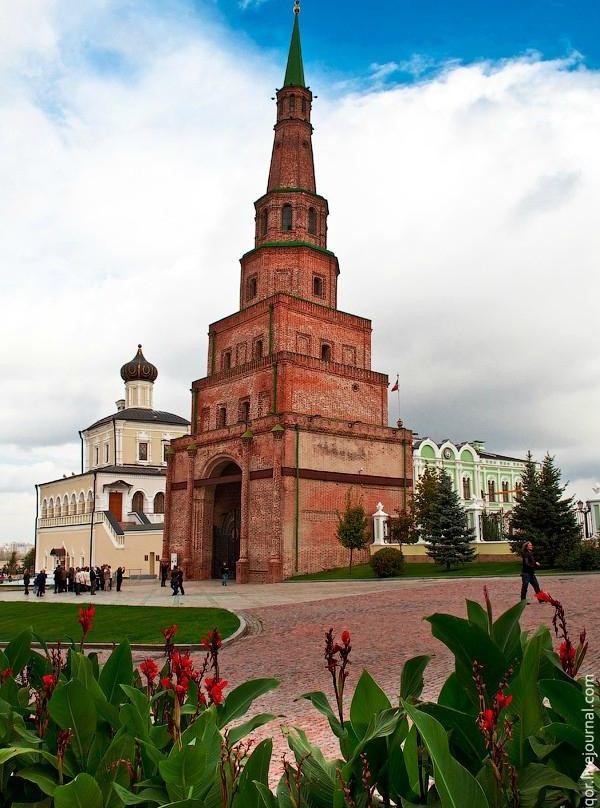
{"x": 312, "y": 221}
{"x": 205, "y": 419}
{"x": 318, "y": 286}
{"x": 518, "y": 490}
{"x": 142, "y": 450}
{"x": 264, "y": 222}
{"x": 221, "y": 417}
{"x": 226, "y": 363}
{"x": 292, "y": 103}
{"x": 258, "y": 349}
{"x": 96, "y": 455}
{"x": 106, "y": 452}
{"x": 286, "y": 217}
{"x": 491, "y": 491}
{"x": 137, "y": 502}
{"x": 159, "y": 503}
{"x": 165, "y": 446}
{"x": 326, "y": 352}
{"x": 504, "y": 492}
{"x": 252, "y": 287}
{"x": 244, "y": 410}
{"x": 466, "y": 488}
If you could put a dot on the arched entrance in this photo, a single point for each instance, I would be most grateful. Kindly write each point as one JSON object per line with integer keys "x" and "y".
{"x": 226, "y": 520}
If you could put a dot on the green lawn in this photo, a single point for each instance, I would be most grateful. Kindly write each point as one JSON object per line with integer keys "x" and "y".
{"x": 425, "y": 570}
{"x": 141, "y": 624}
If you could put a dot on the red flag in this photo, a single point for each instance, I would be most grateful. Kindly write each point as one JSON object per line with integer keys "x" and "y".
{"x": 395, "y": 387}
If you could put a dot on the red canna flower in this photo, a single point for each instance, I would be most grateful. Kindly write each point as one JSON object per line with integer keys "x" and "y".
{"x": 169, "y": 633}
{"x": 502, "y": 701}
{"x": 86, "y": 618}
{"x": 5, "y": 674}
{"x": 544, "y": 597}
{"x": 346, "y": 637}
{"x": 566, "y": 652}
{"x": 488, "y": 720}
{"x": 149, "y": 669}
{"x": 49, "y": 682}
{"x": 212, "y": 640}
{"x": 214, "y": 688}
{"x": 166, "y": 683}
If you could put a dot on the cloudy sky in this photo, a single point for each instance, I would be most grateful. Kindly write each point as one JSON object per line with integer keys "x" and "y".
{"x": 459, "y": 153}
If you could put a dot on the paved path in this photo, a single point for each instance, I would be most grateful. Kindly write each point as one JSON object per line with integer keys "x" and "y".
{"x": 385, "y": 619}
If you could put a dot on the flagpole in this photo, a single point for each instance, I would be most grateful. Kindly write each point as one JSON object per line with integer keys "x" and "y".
{"x": 398, "y": 391}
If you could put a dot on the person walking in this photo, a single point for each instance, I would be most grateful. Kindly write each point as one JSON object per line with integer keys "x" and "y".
{"x": 164, "y": 572}
{"x": 177, "y": 581}
{"x": 120, "y": 571}
{"x": 26, "y": 579}
{"x": 528, "y": 570}
{"x": 224, "y": 573}
{"x": 40, "y": 580}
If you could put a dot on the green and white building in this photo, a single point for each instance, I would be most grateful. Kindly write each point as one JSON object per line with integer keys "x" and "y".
{"x": 486, "y": 482}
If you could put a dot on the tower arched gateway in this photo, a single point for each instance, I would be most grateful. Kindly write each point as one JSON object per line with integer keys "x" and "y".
{"x": 290, "y": 415}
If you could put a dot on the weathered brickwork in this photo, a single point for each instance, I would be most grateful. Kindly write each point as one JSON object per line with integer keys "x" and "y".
{"x": 290, "y": 417}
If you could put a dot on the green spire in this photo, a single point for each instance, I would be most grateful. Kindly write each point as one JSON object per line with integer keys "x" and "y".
{"x": 294, "y": 74}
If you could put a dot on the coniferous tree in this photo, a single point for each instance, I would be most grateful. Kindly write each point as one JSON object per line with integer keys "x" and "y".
{"x": 543, "y": 516}
{"x": 448, "y": 534}
{"x": 353, "y": 527}
{"x": 425, "y": 501}
{"x": 29, "y": 559}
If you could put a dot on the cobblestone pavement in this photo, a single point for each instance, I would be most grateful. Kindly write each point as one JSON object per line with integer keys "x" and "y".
{"x": 387, "y": 627}
{"x": 386, "y": 623}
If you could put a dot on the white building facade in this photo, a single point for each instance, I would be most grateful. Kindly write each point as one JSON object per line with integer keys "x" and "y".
{"x": 113, "y": 511}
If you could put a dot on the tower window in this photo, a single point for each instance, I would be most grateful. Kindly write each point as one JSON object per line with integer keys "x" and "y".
{"x": 252, "y": 287}
{"x": 286, "y": 217}
{"x": 244, "y": 410}
{"x": 264, "y": 222}
{"x": 312, "y": 221}
{"x": 226, "y": 364}
{"x": 258, "y": 349}
{"x": 318, "y": 286}
{"x": 303, "y": 105}
{"x": 292, "y": 103}
{"x": 221, "y": 417}
{"x": 326, "y": 352}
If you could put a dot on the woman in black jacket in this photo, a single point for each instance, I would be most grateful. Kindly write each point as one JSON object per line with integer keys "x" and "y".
{"x": 528, "y": 570}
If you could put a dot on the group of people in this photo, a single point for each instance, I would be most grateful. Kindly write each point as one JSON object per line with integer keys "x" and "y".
{"x": 76, "y": 579}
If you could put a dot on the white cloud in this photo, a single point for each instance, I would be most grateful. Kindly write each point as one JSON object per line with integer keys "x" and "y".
{"x": 463, "y": 210}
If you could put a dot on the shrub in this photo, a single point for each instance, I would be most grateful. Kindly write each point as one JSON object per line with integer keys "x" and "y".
{"x": 388, "y": 562}
{"x": 584, "y": 557}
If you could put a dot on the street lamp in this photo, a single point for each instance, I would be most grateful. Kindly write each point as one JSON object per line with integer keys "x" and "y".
{"x": 584, "y": 510}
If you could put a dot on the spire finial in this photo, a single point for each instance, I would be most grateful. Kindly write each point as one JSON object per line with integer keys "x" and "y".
{"x": 294, "y": 74}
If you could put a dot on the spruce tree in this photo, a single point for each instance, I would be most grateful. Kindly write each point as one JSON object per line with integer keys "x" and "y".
{"x": 425, "y": 499}
{"x": 543, "y": 516}
{"x": 448, "y": 534}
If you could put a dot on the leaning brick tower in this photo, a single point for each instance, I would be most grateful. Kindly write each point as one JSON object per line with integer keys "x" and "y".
{"x": 290, "y": 415}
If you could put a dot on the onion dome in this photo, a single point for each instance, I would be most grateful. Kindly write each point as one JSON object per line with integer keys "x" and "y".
{"x": 139, "y": 369}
